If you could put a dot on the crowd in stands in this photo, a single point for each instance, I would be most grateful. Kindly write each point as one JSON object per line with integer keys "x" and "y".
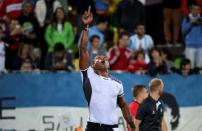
{"x": 45, "y": 35}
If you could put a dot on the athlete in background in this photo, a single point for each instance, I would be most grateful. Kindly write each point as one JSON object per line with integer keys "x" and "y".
{"x": 139, "y": 93}
{"x": 150, "y": 113}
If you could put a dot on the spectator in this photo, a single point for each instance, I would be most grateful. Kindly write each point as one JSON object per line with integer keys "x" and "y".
{"x": 10, "y": 9}
{"x": 59, "y": 30}
{"x": 157, "y": 66}
{"x": 166, "y": 57}
{"x": 98, "y": 29}
{"x": 26, "y": 66}
{"x": 185, "y": 68}
{"x": 64, "y": 5}
{"x": 186, "y": 5}
{"x": 138, "y": 66}
{"x": 59, "y": 59}
{"x": 154, "y": 19}
{"x": 141, "y": 41}
{"x": 29, "y": 23}
{"x": 192, "y": 31}
{"x": 32, "y": 1}
{"x": 172, "y": 15}
{"x": 41, "y": 12}
{"x": 95, "y": 50}
{"x": 25, "y": 52}
{"x": 2, "y": 55}
{"x": 44, "y": 10}
{"x": 51, "y": 6}
{"x": 13, "y": 39}
{"x": 102, "y": 6}
{"x": 129, "y": 14}
{"x": 119, "y": 57}
{"x": 36, "y": 58}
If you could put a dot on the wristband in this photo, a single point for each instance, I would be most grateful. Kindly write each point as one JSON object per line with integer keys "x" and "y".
{"x": 86, "y": 27}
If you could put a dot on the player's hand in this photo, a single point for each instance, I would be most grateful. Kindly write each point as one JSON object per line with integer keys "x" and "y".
{"x": 87, "y": 17}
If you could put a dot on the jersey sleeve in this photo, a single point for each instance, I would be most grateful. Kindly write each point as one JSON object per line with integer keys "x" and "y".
{"x": 87, "y": 88}
{"x": 133, "y": 109}
{"x": 141, "y": 112}
{"x": 121, "y": 92}
{"x": 86, "y": 72}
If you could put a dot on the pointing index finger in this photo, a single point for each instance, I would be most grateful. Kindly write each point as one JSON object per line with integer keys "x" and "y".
{"x": 89, "y": 9}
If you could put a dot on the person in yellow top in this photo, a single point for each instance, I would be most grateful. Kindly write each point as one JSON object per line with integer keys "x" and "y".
{"x": 59, "y": 30}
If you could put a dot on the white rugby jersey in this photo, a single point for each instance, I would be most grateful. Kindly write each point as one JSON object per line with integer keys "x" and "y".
{"x": 101, "y": 94}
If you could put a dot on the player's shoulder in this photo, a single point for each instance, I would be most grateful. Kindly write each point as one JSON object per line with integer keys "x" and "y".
{"x": 88, "y": 71}
{"x": 146, "y": 101}
{"x": 115, "y": 79}
{"x": 133, "y": 104}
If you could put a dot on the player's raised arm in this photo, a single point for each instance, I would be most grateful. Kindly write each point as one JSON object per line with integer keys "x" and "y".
{"x": 87, "y": 18}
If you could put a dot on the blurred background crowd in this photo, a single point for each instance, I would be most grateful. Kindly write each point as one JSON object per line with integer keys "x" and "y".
{"x": 138, "y": 36}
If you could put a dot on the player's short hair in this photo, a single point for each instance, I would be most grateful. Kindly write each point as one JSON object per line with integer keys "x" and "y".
{"x": 137, "y": 89}
{"x": 155, "y": 83}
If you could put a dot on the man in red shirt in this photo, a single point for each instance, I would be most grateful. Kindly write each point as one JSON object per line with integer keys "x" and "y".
{"x": 139, "y": 93}
{"x": 119, "y": 56}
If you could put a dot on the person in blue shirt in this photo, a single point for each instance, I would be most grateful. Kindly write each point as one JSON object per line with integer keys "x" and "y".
{"x": 98, "y": 29}
{"x": 141, "y": 41}
{"x": 192, "y": 32}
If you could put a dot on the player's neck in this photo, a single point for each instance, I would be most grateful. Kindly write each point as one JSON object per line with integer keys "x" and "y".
{"x": 138, "y": 100}
{"x": 154, "y": 96}
{"x": 103, "y": 73}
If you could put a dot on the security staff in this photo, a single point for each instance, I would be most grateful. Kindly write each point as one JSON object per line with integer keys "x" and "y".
{"x": 150, "y": 113}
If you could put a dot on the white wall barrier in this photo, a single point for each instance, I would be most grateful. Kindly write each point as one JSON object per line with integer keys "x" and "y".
{"x": 67, "y": 118}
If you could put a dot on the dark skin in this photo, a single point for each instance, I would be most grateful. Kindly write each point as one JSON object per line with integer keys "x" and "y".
{"x": 100, "y": 65}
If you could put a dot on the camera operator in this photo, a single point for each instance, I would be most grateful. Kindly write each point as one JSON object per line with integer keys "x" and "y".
{"x": 192, "y": 31}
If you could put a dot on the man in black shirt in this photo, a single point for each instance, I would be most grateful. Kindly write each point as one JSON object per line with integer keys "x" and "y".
{"x": 150, "y": 113}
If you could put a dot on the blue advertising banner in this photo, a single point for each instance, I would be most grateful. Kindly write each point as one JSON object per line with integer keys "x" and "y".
{"x": 65, "y": 89}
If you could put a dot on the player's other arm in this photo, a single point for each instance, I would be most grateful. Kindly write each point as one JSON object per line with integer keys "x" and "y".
{"x": 126, "y": 112}
{"x": 141, "y": 112}
{"x": 164, "y": 125}
{"x": 87, "y": 18}
{"x": 137, "y": 124}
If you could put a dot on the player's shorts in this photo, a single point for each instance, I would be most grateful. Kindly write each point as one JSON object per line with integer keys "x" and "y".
{"x": 101, "y": 127}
